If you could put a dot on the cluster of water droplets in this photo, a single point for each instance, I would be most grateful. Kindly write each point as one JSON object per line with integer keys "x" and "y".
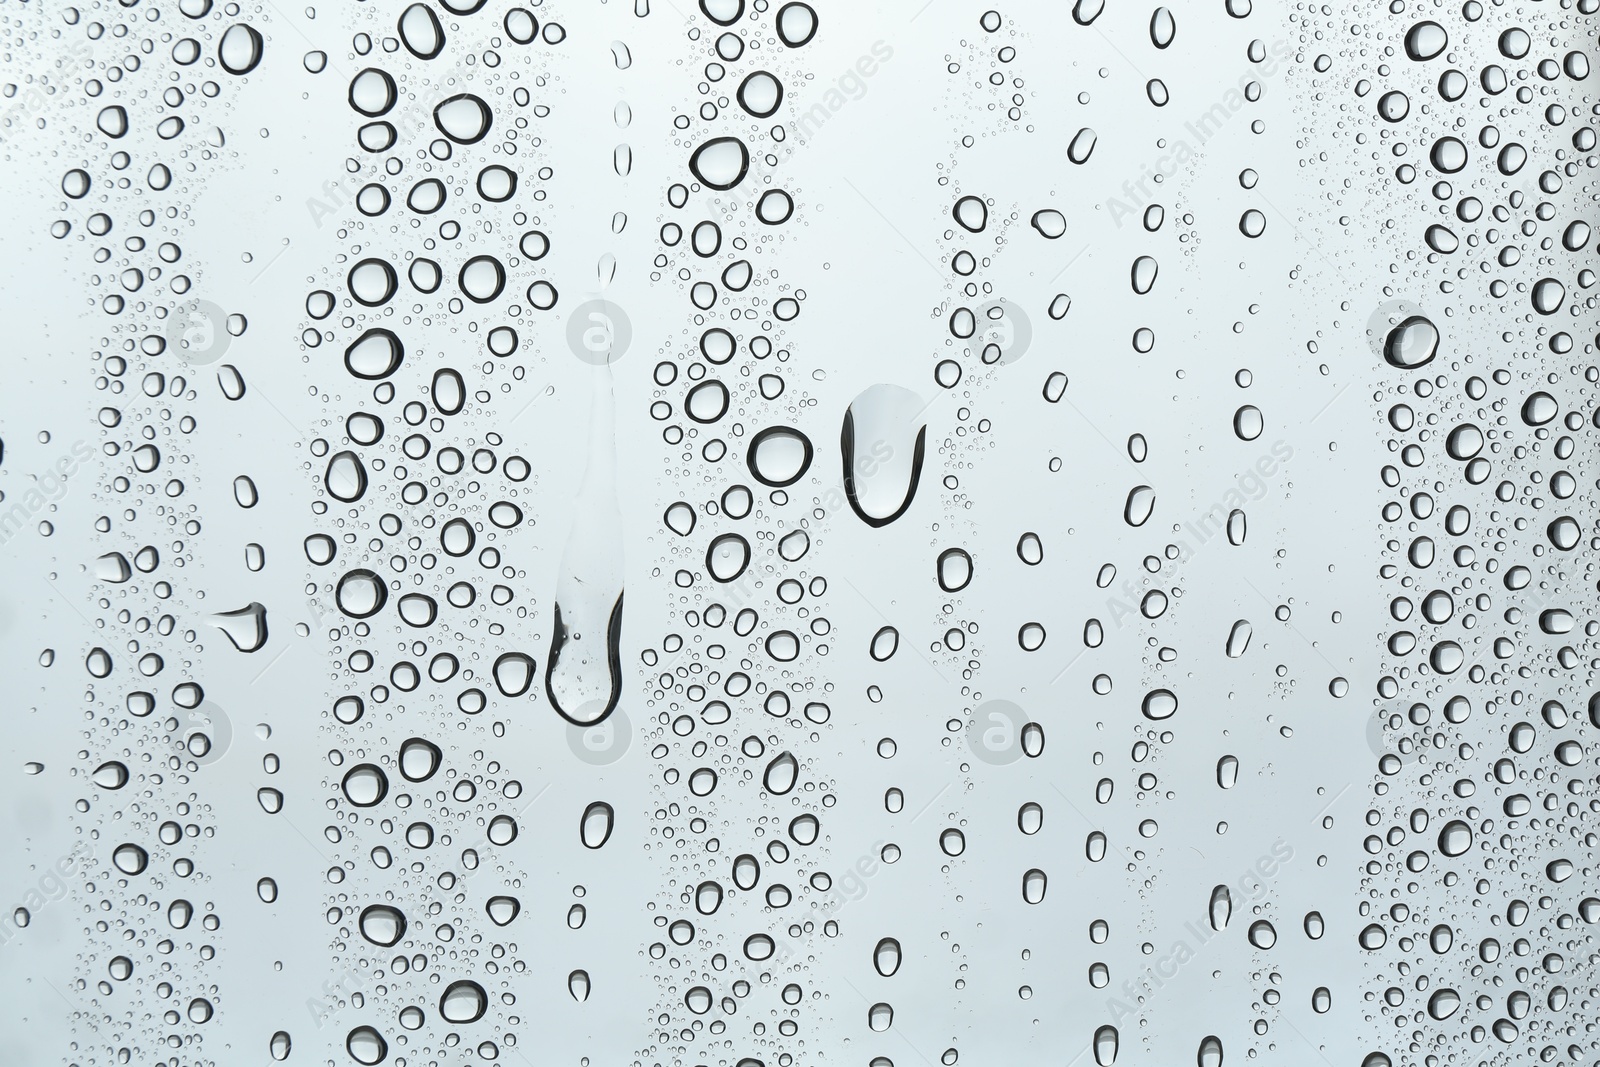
{"x": 1474, "y": 127}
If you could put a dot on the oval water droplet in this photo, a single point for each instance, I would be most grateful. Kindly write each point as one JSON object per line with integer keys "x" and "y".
{"x": 1144, "y": 274}
{"x": 779, "y": 456}
{"x": 1227, "y": 772}
{"x": 130, "y": 858}
{"x": 1426, "y": 40}
{"x": 727, "y": 557}
{"x": 1163, "y": 28}
{"x": 720, "y": 163}
{"x": 463, "y": 1001}
{"x": 113, "y": 121}
{"x": 796, "y": 24}
{"x": 464, "y": 118}
{"x": 1443, "y": 1003}
{"x": 594, "y": 828}
{"x": 707, "y": 898}
{"x": 1034, "y": 884}
{"x": 1140, "y": 503}
{"x": 345, "y": 477}
{"x": 1565, "y": 533}
{"x": 372, "y": 92}
{"x": 1050, "y": 223}
{"x": 760, "y": 94}
{"x": 1448, "y": 155}
{"x": 111, "y": 775}
{"x": 365, "y": 785}
{"x": 360, "y": 593}
{"x": 482, "y": 279}
{"x": 1220, "y": 909}
{"x": 1548, "y": 295}
{"x": 954, "y": 570}
{"x": 502, "y": 909}
{"x": 1442, "y": 239}
{"x": 374, "y": 355}
{"x": 1455, "y": 838}
{"x": 886, "y": 957}
{"x": 1464, "y": 441}
{"x": 366, "y": 1046}
{"x": 1411, "y": 344}
{"x": 1106, "y": 1040}
{"x": 1394, "y": 106}
{"x": 419, "y": 759}
{"x": 972, "y": 214}
{"x": 240, "y": 49}
{"x": 421, "y": 32}
{"x": 1238, "y": 639}
{"x": 1539, "y": 408}
{"x": 1082, "y": 145}
{"x": 1159, "y": 704}
{"x": 382, "y": 925}
{"x": 113, "y": 567}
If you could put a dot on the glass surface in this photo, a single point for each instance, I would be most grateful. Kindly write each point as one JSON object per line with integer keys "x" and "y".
{"x": 764, "y": 534}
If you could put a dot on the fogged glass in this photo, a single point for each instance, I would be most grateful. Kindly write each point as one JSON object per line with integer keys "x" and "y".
{"x": 776, "y": 534}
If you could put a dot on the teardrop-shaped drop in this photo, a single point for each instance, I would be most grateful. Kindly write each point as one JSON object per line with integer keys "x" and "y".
{"x": 246, "y": 627}
{"x": 781, "y": 774}
{"x": 583, "y": 674}
{"x": 346, "y": 477}
{"x": 882, "y": 442}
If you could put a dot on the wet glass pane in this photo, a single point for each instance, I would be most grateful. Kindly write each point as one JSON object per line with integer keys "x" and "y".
{"x": 779, "y": 533}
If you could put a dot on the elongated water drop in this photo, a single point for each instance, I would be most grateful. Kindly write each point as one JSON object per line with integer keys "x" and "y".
{"x": 594, "y": 828}
{"x": 1106, "y": 1040}
{"x": 882, "y": 441}
{"x": 1221, "y": 907}
{"x": 1238, "y": 639}
{"x": 583, "y": 675}
{"x": 1228, "y": 771}
{"x": 886, "y": 957}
